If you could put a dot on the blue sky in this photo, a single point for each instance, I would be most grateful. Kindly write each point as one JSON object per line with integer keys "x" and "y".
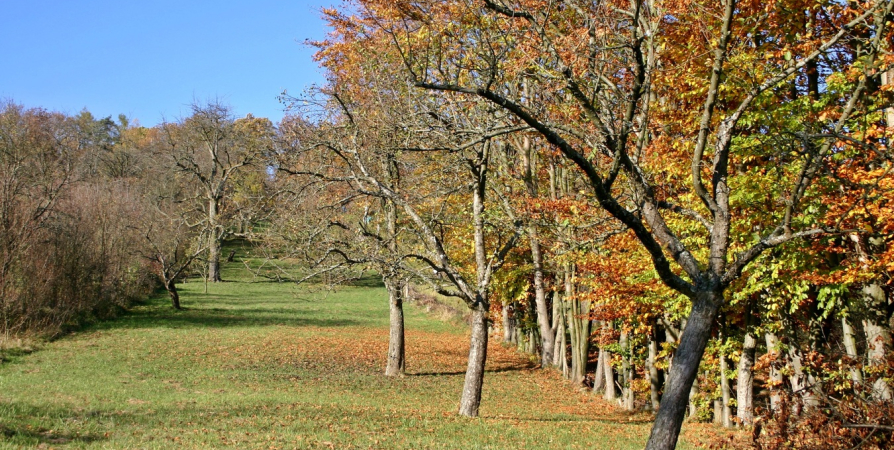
{"x": 150, "y": 59}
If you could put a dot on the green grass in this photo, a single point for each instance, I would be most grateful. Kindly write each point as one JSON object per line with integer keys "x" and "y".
{"x": 267, "y": 365}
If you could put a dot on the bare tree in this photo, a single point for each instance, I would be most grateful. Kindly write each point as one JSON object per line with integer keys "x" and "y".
{"x": 209, "y": 148}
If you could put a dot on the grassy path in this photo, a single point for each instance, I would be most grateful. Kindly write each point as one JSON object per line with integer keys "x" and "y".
{"x": 255, "y": 365}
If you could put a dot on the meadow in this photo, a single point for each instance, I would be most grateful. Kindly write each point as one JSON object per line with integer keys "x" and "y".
{"x": 260, "y": 364}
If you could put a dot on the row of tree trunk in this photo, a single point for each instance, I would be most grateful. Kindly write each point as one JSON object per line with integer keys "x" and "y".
{"x": 575, "y": 337}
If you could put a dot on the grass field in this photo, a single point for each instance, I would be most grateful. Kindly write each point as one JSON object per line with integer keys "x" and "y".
{"x": 264, "y": 365}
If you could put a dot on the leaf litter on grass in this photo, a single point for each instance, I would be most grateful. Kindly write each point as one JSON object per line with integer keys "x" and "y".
{"x": 254, "y": 382}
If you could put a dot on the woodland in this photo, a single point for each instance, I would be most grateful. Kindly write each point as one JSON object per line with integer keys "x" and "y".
{"x": 684, "y": 207}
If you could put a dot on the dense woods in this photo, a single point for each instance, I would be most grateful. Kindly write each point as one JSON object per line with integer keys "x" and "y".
{"x": 683, "y": 206}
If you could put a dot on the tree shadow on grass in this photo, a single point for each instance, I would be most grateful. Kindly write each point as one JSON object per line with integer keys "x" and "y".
{"x": 12, "y": 430}
{"x": 608, "y": 419}
{"x": 219, "y": 318}
{"x": 40, "y": 436}
{"x": 511, "y": 368}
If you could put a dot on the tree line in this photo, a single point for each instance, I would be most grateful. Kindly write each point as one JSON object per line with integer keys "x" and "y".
{"x": 695, "y": 194}
{"x": 97, "y": 213}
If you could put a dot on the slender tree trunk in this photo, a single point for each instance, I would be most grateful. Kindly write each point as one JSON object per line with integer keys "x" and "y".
{"x": 471, "y": 396}
{"x": 669, "y": 419}
{"x": 579, "y": 327}
{"x": 213, "y": 242}
{"x": 878, "y": 337}
{"x": 396, "y": 364}
{"x": 798, "y": 380}
{"x": 745, "y": 381}
{"x": 474, "y": 381}
{"x": 627, "y": 397}
{"x": 692, "y": 410}
{"x": 508, "y": 323}
{"x": 547, "y": 332}
{"x": 775, "y": 379}
{"x": 610, "y": 393}
{"x": 850, "y": 347}
{"x": 654, "y": 377}
{"x": 559, "y": 357}
{"x": 726, "y": 418}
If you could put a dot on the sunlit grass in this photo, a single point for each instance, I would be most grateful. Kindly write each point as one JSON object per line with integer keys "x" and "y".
{"x": 267, "y": 365}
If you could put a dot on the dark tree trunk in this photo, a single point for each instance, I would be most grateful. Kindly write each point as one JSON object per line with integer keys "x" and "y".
{"x": 508, "y": 324}
{"x": 172, "y": 292}
{"x": 396, "y": 353}
{"x": 471, "y": 396}
{"x": 695, "y": 337}
{"x": 653, "y": 372}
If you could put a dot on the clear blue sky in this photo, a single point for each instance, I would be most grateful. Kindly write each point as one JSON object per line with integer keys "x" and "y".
{"x": 150, "y": 59}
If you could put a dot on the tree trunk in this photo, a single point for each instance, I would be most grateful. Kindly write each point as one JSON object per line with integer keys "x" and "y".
{"x": 213, "y": 242}
{"x": 775, "y": 379}
{"x": 471, "y": 396}
{"x": 559, "y": 357}
{"x": 798, "y": 380}
{"x": 692, "y": 410}
{"x": 654, "y": 377}
{"x": 745, "y": 381}
{"x": 610, "y": 393}
{"x": 878, "y": 337}
{"x": 598, "y": 378}
{"x": 579, "y": 327}
{"x": 508, "y": 324}
{"x": 547, "y": 332}
{"x": 609, "y": 374}
{"x": 396, "y": 364}
{"x": 725, "y": 418}
{"x": 172, "y": 292}
{"x": 669, "y": 419}
{"x": 627, "y": 398}
{"x": 850, "y": 347}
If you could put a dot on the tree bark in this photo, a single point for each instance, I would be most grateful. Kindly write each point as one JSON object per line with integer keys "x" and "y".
{"x": 775, "y": 379}
{"x": 172, "y": 292}
{"x": 627, "y": 397}
{"x": 745, "y": 381}
{"x": 850, "y": 347}
{"x": 610, "y": 393}
{"x": 725, "y": 418}
{"x": 547, "y": 332}
{"x": 579, "y": 327}
{"x": 396, "y": 364}
{"x": 471, "y": 396}
{"x": 213, "y": 242}
{"x": 666, "y": 429}
{"x": 878, "y": 337}
{"x": 598, "y": 378}
{"x": 559, "y": 357}
{"x": 509, "y": 324}
{"x": 798, "y": 379}
{"x": 653, "y": 372}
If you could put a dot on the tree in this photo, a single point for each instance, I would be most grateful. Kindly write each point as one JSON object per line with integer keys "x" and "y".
{"x": 209, "y": 148}
{"x": 616, "y": 89}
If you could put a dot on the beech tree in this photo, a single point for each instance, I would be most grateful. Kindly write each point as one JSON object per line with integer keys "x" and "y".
{"x": 616, "y": 87}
